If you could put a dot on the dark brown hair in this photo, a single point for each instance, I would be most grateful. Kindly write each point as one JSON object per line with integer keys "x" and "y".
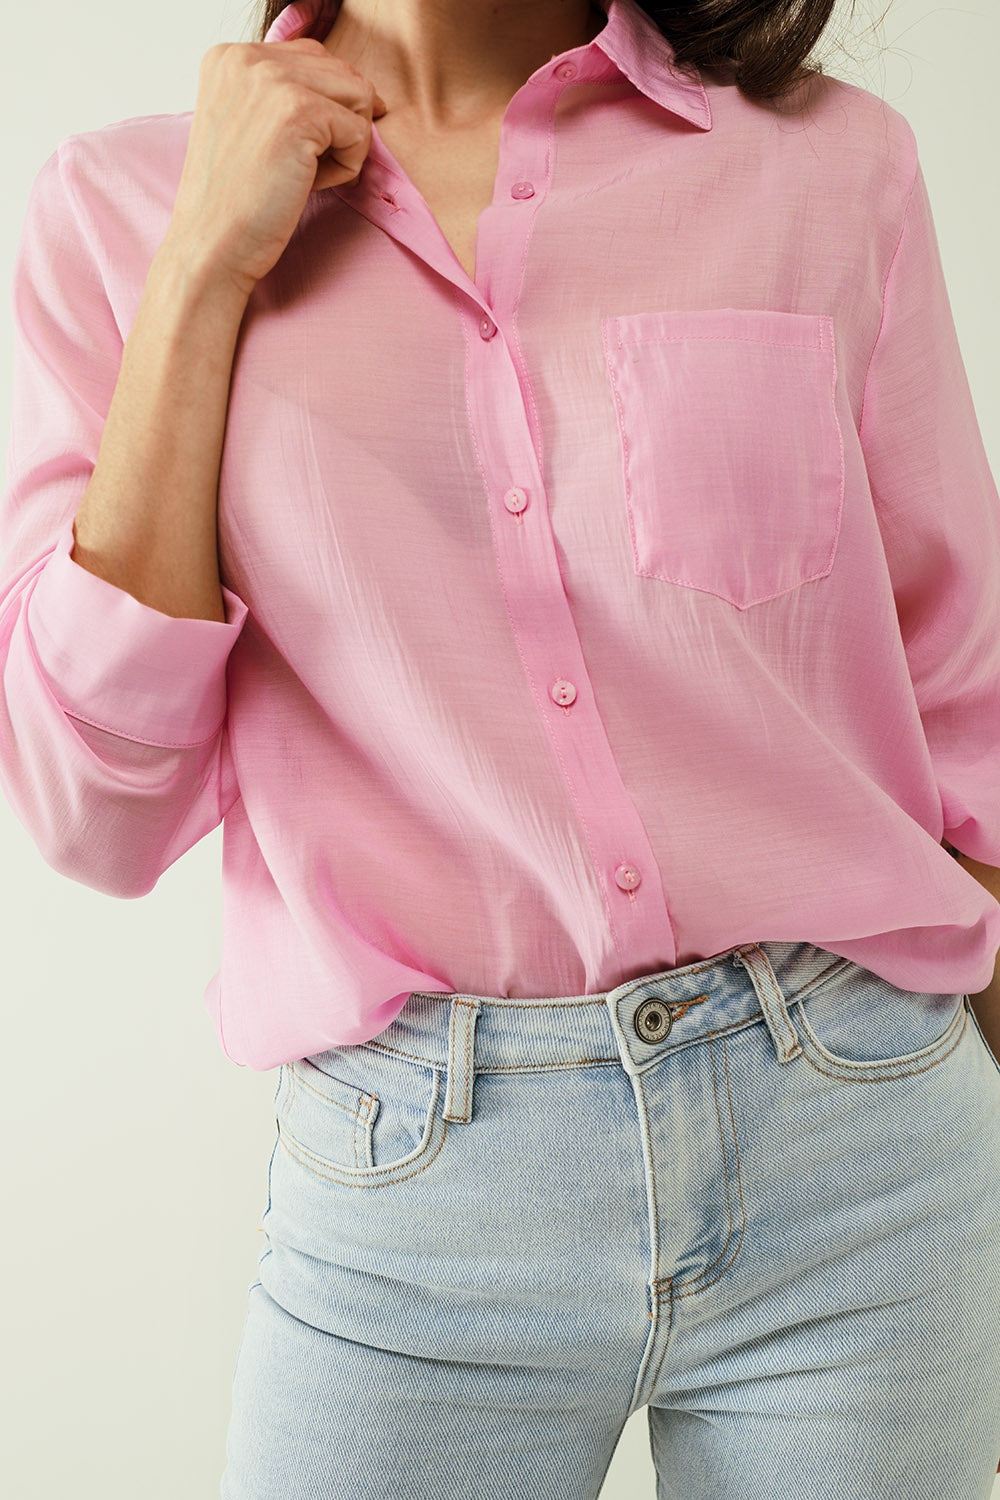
{"x": 762, "y": 46}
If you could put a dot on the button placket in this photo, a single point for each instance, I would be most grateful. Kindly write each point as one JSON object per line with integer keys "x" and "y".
{"x": 535, "y": 593}
{"x": 627, "y": 878}
{"x": 516, "y": 501}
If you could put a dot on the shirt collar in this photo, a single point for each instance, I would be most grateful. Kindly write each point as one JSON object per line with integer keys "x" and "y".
{"x": 630, "y": 39}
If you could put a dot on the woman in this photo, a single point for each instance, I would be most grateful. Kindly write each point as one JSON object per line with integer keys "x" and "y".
{"x": 550, "y": 527}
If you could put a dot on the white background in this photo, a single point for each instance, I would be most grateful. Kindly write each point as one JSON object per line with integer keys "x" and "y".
{"x": 134, "y": 1153}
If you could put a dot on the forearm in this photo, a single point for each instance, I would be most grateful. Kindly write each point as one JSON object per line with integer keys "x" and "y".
{"x": 147, "y": 522}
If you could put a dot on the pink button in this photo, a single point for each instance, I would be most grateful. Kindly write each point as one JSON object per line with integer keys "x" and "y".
{"x": 516, "y": 501}
{"x": 487, "y": 328}
{"x": 563, "y": 692}
{"x": 627, "y": 877}
{"x": 566, "y": 70}
{"x": 522, "y": 190}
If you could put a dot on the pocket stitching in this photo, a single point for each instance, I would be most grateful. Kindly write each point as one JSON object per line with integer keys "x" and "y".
{"x": 825, "y": 343}
{"x": 371, "y": 1176}
{"x": 364, "y": 1116}
{"x": 879, "y": 1069}
{"x": 338, "y": 1174}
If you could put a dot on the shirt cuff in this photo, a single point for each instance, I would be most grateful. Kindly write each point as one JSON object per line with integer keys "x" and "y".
{"x": 123, "y": 666}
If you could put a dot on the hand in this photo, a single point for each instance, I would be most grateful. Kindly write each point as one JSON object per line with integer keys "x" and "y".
{"x": 273, "y": 122}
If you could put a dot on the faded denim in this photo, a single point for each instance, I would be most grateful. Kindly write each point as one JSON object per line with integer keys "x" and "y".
{"x": 758, "y": 1195}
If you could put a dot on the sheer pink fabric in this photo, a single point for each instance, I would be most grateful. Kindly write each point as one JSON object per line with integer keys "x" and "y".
{"x": 637, "y": 599}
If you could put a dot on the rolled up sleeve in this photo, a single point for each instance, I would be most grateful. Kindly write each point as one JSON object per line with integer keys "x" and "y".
{"x": 113, "y": 715}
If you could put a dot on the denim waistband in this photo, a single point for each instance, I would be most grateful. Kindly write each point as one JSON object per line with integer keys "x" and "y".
{"x": 635, "y": 1024}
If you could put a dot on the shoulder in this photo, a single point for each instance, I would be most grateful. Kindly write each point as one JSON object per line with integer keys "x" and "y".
{"x": 110, "y": 192}
{"x": 138, "y": 160}
{"x": 832, "y": 140}
{"x": 866, "y": 123}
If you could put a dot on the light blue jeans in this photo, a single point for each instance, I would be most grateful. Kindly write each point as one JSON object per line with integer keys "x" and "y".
{"x": 758, "y": 1195}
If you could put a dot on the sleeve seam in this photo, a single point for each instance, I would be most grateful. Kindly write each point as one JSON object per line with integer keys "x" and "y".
{"x": 84, "y": 225}
{"x": 53, "y": 684}
{"x": 885, "y": 287}
{"x": 133, "y": 739}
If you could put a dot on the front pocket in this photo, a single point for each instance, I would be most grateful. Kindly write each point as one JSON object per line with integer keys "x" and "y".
{"x": 856, "y": 1025}
{"x": 731, "y": 447}
{"x": 360, "y": 1115}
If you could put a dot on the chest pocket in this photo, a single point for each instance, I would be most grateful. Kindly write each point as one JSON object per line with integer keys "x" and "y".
{"x": 731, "y": 446}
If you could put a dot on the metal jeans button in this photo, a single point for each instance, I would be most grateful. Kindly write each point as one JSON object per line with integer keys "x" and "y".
{"x": 653, "y": 1020}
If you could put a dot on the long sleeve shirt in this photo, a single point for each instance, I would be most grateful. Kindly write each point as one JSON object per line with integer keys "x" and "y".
{"x": 634, "y": 600}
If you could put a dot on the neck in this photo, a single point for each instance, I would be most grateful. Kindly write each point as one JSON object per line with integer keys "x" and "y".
{"x": 452, "y": 62}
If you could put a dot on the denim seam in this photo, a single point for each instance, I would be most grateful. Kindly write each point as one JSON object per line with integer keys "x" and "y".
{"x": 331, "y": 1176}
{"x": 333, "y": 1169}
{"x": 700, "y": 1283}
{"x": 882, "y": 1069}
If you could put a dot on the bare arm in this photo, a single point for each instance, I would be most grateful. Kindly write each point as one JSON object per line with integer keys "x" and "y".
{"x": 147, "y": 522}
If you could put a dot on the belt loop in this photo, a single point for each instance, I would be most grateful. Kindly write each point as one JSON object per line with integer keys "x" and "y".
{"x": 772, "y": 1001}
{"x": 461, "y": 1058}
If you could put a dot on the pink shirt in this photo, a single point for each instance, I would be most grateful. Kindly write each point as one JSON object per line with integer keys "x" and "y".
{"x": 637, "y": 599}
